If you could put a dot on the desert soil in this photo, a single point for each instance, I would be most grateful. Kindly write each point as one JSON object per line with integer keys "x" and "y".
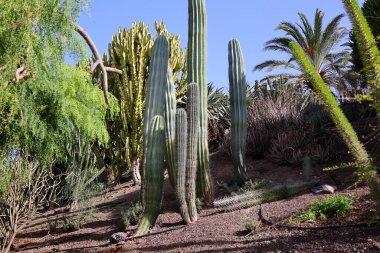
{"x": 215, "y": 231}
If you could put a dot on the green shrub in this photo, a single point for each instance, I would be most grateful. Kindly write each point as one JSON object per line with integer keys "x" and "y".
{"x": 199, "y": 204}
{"x": 250, "y": 227}
{"x": 336, "y": 207}
{"x": 53, "y": 226}
{"x": 333, "y": 207}
{"x": 131, "y": 216}
{"x": 71, "y": 224}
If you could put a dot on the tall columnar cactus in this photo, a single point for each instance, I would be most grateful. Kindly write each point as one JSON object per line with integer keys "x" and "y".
{"x": 193, "y": 111}
{"x": 332, "y": 107}
{"x": 170, "y": 111}
{"x": 180, "y": 162}
{"x": 154, "y": 177}
{"x": 155, "y": 98}
{"x": 238, "y": 104}
{"x": 367, "y": 47}
{"x": 196, "y": 72}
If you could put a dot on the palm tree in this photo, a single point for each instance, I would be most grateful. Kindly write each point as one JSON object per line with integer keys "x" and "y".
{"x": 319, "y": 45}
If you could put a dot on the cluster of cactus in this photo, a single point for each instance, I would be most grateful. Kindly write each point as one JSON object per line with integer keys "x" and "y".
{"x": 187, "y": 135}
{"x": 181, "y": 143}
{"x": 238, "y": 105}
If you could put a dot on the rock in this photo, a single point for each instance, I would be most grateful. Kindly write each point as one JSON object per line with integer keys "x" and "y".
{"x": 119, "y": 237}
{"x": 325, "y": 188}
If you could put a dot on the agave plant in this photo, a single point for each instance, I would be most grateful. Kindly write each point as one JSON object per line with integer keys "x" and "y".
{"x": 319, "y": 45}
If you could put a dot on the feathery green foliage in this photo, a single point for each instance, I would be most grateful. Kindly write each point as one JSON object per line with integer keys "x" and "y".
{"x": 332, "y": 107}
{"x": 34, "y": 36}
{"x": 50, "y": 106}
{"x": 369, "y": 52}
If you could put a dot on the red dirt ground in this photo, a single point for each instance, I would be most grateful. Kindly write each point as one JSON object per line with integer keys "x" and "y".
{"x": 214, "y": 231}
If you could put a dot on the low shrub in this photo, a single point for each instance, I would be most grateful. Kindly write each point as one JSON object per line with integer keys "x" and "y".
{"x": 250, "y": 227}
{"x": 335, "y": 207}
{"x": 286, "y": 124}
{"x": 25, "y": 188}
{"x": 131, "y": 216}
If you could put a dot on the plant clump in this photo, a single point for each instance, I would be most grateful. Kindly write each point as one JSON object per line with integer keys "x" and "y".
{"x": 334, "y": 207}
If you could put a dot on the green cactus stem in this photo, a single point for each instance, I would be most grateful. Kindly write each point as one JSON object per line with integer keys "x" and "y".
{"x": 180, "y": 162}
{"x": 154, "y": 176}
{"x": 170, "y": 117}
{"x": 193, "y": 111}
{"x": 238, "y": 104}
{"x": 197, "y": 54}
{"x": 155, "y": 98}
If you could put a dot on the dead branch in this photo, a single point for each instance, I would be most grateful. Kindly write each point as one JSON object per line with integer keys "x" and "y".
{"x": 20, "y": 74}
{"x": 98, "y": 62}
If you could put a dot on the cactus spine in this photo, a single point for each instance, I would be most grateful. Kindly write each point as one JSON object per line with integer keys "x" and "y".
{"x": 154, "y": 103}
{"x": 154, "y": 175}
{"x": 238, "y": 104}
{"x": 197, "y": 73}
{"x": 180, "y": 162}
{"x": 170, "y": 116}
{"x": 193, "y": 111}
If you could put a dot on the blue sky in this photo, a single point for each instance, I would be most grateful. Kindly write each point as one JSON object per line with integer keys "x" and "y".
{"x": 252, "y": 22}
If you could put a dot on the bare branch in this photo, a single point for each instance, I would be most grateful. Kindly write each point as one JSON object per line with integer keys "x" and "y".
{"x": 98, "y": 62}
{"x": 114, "y": 70}
{"x": 93, "y": 67}
{"x": 20, "y": 74}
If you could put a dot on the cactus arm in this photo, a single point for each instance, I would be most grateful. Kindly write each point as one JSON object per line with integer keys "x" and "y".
{"x": 193, "y": 111}
{"x": 180, "y": 162}
{"x": 154, "y": 176}
{"x": 238, "y": 104}
{"x": 170, "y": 116}
{"x": 197, "y": 49}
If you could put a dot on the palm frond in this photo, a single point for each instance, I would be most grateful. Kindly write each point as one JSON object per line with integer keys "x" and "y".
{"x": 293, "y": 31}
{"x": 271, "y": 65}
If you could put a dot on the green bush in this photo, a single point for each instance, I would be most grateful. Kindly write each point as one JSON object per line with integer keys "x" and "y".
{"x": 71, "y": 224}
{"x": 250, "y": 227}
{"x": 333, "y": 207}
{"x": 131, "y": 216}
{"x": 336, "y": 207}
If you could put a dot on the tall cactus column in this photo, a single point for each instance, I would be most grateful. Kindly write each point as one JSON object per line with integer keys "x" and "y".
{"x": 180, "y": 162}
{"x": 196, "y": 72}
{"x": 170, "y": 117}
{"x": 192, "y": 145}
{"x": 154, "y": 175}
{"x": 238, "y": 104}
{"x": 155, "y": 98}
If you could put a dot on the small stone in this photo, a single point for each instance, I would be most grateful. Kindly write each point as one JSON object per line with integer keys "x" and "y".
{"x": 119, "y": 237}
{"x": 324, "y": 189}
